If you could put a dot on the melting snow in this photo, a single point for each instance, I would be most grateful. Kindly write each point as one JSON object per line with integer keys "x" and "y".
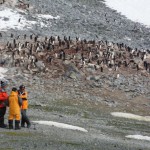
{"x": 60, "y": 125}
{"x": 9, "y": 19}
{"x": 136, "y": 10}
{"x": 131, "y": 116}
{"x": 2, "y": 72}
{"x": 47, "y": 16}
{"x": 139, "y": 137}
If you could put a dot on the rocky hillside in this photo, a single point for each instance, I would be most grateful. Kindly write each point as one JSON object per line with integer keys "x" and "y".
{"x": 71, "y": 90}
{"x": 80, "y": 18}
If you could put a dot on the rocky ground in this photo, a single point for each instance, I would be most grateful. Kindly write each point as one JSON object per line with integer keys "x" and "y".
{"x": 84, "y": 103}
{"x": 80, "y": 99}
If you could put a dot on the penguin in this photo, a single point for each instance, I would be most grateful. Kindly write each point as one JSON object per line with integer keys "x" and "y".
{"x": 19, "y": 19}
{"x": 28, "y": 5}
{"x": 49, "y": 59}
{"x": 31, "y": 36}
{"x": 59, "y": 38}
{"x": 11, "y": 35}
{"x": 69, "y": 39}
{"x": 101, "y": 69}
{"x": 31, "y": 49}
{"x": 118, "y": 75}
{"x": 25, "y": 36}
{"x": 56, "y": 55}
{"x": 45, "y": 39}
{"x": 35, "y": 39}
{"x": 98, "y": 62}
{"x": 9, "y": 46}
{"x": 18, "y": 37}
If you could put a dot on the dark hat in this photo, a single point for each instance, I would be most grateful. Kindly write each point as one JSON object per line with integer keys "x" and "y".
{"x": 3, "y": 84}
{"x": 22, "y": 86}
{"x": 14, "y": 89}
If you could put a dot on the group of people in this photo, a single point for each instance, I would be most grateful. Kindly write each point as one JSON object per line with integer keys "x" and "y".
{"x": 18, "y": 105}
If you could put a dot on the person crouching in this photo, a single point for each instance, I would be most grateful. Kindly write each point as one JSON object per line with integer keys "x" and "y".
{"x": 14, "y": 103}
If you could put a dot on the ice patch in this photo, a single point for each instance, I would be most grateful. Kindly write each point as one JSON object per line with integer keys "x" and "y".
{"x": 60, "y": 125}
{"x": 136, "y": 10}
{"x": 131, "y": 116}
{"x": 2, "y": 72}
{"x": 138, "y": 137}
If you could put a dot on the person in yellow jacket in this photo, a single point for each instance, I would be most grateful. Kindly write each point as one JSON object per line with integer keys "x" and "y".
{"x": 23, "y": 94}
{"x": 14, "y": 103}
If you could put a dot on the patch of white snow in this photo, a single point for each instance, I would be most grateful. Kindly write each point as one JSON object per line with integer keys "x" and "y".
{"x": 2, "y": 72}
{"x": 47, "y": 16}
{"x": 138, "y": 137}
{"x": 131, "y": 116}
{"x": 12, "y": 19}
{"x": 9, "y": 19}
{"x": 61, "y": 125}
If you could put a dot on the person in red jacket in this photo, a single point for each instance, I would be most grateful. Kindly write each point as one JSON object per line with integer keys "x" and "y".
{"x": 3, "y": 100}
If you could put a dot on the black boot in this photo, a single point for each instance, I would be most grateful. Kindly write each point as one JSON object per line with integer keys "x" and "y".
{"x": 25, "y": 119}
{"x": 22, "y": 123}
{"x": 28, "y": 123}
{"x": 17, "y": 127}
{"x": 10, "y": 124}
{"x": 2, "y": 125}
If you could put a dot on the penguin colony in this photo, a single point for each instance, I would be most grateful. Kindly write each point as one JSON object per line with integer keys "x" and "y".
{"x": 28, "y": 51}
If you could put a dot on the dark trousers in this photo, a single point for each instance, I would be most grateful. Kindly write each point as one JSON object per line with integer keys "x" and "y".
{"x": 2, "y": 113}
{"x": 24, "y": 118}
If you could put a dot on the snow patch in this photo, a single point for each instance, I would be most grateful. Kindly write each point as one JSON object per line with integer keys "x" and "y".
{"x": 131, "y": 116}
{"x": 48, "y": 16}
{"x": 2, "y": 72}
{"x": 127, "y": 38}
{"x": 60, "y": 125}
{"x": 9, "y": 19}
{"x": 138, "y": 137}
{"x": 136, "y": 10}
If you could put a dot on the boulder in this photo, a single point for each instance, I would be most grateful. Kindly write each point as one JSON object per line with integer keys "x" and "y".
{"x": 40, "y": 65}
{"x": 72, "y": 71}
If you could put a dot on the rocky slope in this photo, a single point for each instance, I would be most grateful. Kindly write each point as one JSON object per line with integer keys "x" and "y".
{"x": 74, "y": 97}
{"x": 82, "y": 18}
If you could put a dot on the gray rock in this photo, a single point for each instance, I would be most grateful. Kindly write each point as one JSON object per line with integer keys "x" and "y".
{"x": 71, "y": 71}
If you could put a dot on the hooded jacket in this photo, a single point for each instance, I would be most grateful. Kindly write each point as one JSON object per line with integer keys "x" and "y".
{"x": 14, "y": 103}
{"x": 24, "y": 95}
{"x": 3, "y": 97}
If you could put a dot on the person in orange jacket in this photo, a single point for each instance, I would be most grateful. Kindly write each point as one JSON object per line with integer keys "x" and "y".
{"x": 14, "y": 103}
{"x": 23, "y": 94}
{"x": 3, "y": 100}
